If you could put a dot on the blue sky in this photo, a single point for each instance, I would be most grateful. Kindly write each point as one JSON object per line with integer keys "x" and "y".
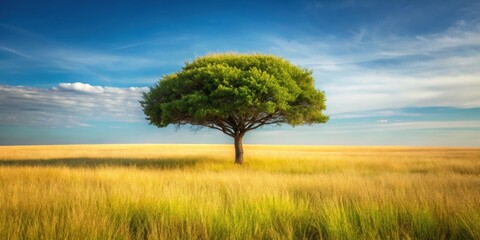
{"x": 394, "y": 72}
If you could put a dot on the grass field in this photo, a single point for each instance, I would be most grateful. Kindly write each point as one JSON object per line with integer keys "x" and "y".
{"x": 196, "y": 192}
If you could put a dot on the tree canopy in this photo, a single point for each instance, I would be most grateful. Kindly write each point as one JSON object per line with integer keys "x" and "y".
{"x": 235, "y": 93}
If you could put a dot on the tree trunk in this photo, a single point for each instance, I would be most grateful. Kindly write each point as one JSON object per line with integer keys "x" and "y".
{"x": 238, "y": 149}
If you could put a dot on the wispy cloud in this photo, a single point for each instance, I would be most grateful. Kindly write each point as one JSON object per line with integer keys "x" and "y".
{"x": 425, "y": 125}
{"x": 460, "y": 35}
{"x": 131, "y": 45}
{"x": 15, "y": 52}
{"x": 69, "y": 104}
{"x": 157, "y": 41}
{"x": 26, "y": 33}
{"x": 72, "y": 59}
{"x": 391, "y": 72}
{"x": 103, "y": 66}
{"x": 97, "y": 65}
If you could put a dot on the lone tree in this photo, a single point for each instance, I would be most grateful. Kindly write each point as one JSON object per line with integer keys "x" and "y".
{"x": 235, "y": 93}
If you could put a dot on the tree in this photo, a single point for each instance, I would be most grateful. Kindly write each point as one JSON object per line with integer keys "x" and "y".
{"x": 235, "y": 93}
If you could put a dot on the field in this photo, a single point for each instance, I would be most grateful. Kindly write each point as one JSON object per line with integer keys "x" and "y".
{"x": 196, "y": 192}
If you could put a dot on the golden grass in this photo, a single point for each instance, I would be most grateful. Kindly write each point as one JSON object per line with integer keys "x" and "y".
{"x": 196, "y": 192}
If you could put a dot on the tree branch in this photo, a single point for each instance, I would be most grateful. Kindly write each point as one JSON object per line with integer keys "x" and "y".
{"x": 268, "y": 119}
{"x": 224, "y": 130}
{"x": 265, "y": 123}
{"x": 223, "y": 126}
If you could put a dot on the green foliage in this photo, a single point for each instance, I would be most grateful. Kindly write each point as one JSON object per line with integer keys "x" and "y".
{"x": 235, "y": 93}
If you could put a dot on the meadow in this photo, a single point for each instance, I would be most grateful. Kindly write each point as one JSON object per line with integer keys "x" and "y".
{"x": 196, "y": 192}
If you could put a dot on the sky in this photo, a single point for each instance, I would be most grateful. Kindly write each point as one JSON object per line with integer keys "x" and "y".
{"x": 394, "y": 72}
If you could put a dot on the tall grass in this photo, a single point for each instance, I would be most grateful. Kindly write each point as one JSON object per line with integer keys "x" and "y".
{"x": 196, "y": 192}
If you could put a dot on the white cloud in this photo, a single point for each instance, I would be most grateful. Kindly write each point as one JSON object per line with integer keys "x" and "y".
{"x": 80, "y": 87}
{"x": 385, "y": 91}
{"x": 69, "y": 104}
{"x": 431, "y": 125}
{"x": 384, "y": 125}
{"x": 375, "y": 113}
{"x": 399, "y": 126}
{"x": 390, "y": 72}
